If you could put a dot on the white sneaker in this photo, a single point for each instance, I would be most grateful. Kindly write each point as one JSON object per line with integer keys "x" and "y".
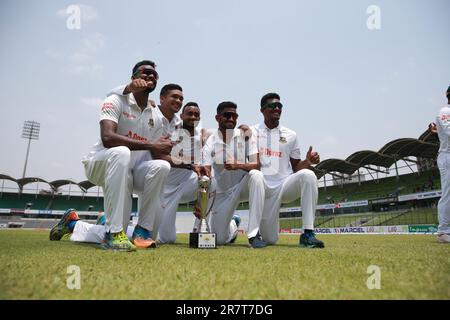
{"x": 443, "y": 238}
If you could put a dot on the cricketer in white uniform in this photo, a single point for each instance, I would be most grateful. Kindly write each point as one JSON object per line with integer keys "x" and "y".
{"x": 116, "y": 164}
{"x": 442, "y": 127}
{"x": 182, "y": 182}
{"x": 236, "y": 179}
{"x": 286, "y": 177}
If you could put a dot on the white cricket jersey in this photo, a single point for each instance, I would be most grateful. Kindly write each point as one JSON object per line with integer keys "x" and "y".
{"x": 156, "y": 124}
{"x": 276, "y": 147}
{"x": 187, "y": 148}
{"x": 131, "y": 121}
{"x": 216, "y": 152}
{"x": 443, "y": 129}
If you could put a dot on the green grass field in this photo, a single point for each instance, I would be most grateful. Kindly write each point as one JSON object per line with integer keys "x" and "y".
{"x": 412, "y": 267}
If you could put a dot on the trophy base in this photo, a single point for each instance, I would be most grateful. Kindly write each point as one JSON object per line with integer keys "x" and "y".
{"x": 202, "y": 240}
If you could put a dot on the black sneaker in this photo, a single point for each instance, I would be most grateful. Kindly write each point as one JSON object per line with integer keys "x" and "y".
{"x": 257, "y": 242}
{"x": 309, "y": 240}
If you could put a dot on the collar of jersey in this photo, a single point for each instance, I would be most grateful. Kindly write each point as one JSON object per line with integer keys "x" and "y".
{"x": 218, "y": 139}
{"x": 262, "y": 125}
{"x": 132, "y": 102}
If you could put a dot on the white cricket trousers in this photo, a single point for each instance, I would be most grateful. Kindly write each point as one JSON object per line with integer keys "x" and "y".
{"x": 301, "y": 184}
{"x": 251, "y": 189}
{"x": 181, "y": 187}
{"x": 93, "y": 233}
{"x": 443, "y": 161}
{"x": 114, "y": 170}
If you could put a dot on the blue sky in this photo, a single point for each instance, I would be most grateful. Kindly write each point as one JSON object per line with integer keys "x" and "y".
{"x": 344, "y": 87}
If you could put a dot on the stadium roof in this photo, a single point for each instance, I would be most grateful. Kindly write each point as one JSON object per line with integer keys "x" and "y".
{"x": 336, "y": 165}
{"x": 407, "y": 147}
{"x": 84, "y": 185}
{"x": 368, "y": 157}
{"x": 23, "y": 181}
{"x": 5, "y": 177}
{"x": 429, "y": 137}
{"x": 58, "y": 183}
{"x": 427, "y": 146}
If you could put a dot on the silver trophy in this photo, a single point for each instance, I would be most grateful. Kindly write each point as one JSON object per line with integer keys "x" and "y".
{"x": 203, "y": 238}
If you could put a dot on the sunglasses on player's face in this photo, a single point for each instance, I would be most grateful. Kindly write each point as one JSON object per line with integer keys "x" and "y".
{"x": 273, "y": 106}
{"x": 229, "y": 115}
{"x": 147, "y": 71}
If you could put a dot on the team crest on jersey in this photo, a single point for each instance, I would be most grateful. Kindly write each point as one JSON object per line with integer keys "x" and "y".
{"x": 283, "y": 140}
{"x": 151, "y": 123}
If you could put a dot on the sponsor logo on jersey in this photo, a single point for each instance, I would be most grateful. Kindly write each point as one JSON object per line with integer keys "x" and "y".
{"x": 129, "y": 115}
{"x": 270, "y": 153}
{"x": 445, "y": 117}
{"x": 283, "y": 140}
{"x": 135, "y": 136}
{"x": 107, "y": 105}
{"x": 151, "y": 123}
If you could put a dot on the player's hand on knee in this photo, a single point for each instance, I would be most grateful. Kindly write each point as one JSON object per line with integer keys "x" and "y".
{"x": 162, "y": 147}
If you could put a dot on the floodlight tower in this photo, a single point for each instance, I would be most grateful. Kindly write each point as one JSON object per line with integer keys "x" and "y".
{"x": 31, "y": 132}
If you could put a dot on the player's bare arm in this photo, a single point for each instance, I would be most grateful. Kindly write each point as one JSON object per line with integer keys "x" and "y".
{"x": 111, "y": 139}
{"x": 312, "y": 158}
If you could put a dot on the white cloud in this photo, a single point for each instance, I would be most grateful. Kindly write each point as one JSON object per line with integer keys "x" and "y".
{"x": 92, "y": 101}
{"x": 93, "y": 43}
{"x": 83, "y": 61}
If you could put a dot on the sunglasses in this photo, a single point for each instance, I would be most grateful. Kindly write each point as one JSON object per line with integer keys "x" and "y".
{"x": 273, "y": 106}
{"x": 149, "y": 71}
{"x": 229, "y": 115}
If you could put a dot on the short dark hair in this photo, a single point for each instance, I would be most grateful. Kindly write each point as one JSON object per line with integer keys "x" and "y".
{"x": 269, "y": 96}
{"x": 190, "y": 104}
{"x": 225, "y": 104}
{"x": 143, "y": 63}
{"x": 169, "y": 87}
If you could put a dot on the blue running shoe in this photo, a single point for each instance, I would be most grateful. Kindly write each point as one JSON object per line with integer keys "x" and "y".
{"x": 62, "y": 227}
{"x": 257, "y": 242}
{"x": 309, "y": 240}
{"x": 142, "y": 238}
